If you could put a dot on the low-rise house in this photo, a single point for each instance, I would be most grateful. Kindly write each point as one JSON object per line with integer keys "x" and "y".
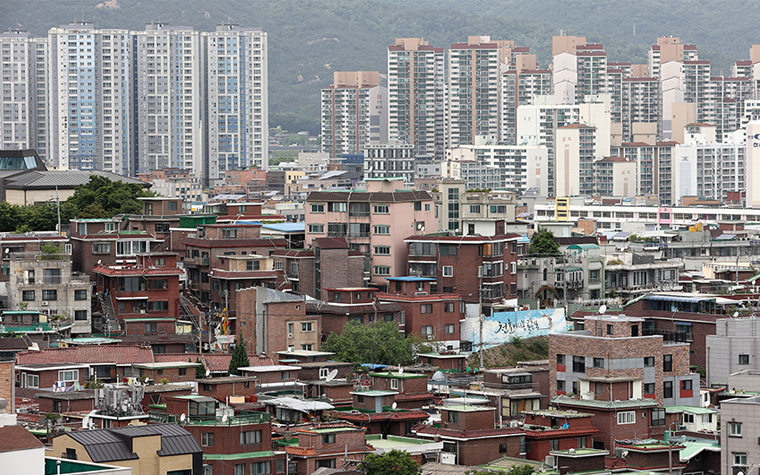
{"x": 695, "y": 419}
{"x": 156, "y": 449}
{"x": 411, "y": 388}
{"x": 52, "y": 402}
{"x": 224, "y": 387}
{"x": 548, "y": 431}
{"x": 274, "y": 377}
{"x": 385, "y": 423}
{"x": 328, "y": 446}
{"x": 354, "y": 304}
{"x": 651, "y": 455}
{"x": 51, "y": 376}
{"x": 37, "y": 327}
{"x": 20, "y": 451}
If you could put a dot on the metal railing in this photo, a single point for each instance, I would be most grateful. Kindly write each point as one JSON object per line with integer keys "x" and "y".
{"x": 243, "y": 418}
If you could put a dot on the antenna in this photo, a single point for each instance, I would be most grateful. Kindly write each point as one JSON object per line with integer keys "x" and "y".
{"x": 331, "y": 375}
{"x": 602, "y": 309}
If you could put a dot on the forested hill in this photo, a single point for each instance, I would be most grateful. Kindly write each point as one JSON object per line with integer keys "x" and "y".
{"x": 309, "y": 39}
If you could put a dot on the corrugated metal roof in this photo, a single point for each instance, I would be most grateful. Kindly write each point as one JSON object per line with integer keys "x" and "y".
{"x": 62, "y": 179}
{"x": 103, "y": 445}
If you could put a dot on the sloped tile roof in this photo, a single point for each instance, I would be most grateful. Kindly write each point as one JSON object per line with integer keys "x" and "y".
{"x": 106, "y": 270}
{"x": 13, "y": 438}
{"x": 88, "y": 354}
{"x": 610, "y": 405}
{"x": 467, "y": 434}
{"x": 555, "y": 433}
{"x": 382, "y": 416}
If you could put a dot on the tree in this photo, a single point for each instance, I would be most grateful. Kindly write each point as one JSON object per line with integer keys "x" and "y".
{"x": 94, "y": 211}
{"x": 543, "y": 244}
{"x": 395, "y": 462}
{"x": 239, "y": 358}
{"x": 10, "y": 216}
{"x": 114, "y": 197}
{"x": 200, "y": 370}
{"x": 378, "y": 343}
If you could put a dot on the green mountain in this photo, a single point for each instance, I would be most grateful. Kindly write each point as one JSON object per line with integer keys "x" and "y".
{"x": 308, "y": 40}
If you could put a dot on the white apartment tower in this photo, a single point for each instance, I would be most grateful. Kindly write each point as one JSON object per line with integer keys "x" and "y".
{"x": 23, "y": 121}
{"x": 89, "y": 98}
{"x": 416, "y": 96}
{"x": 519, "y": 88}
{"x": 167, "y": 63}
{"x": 236, "y": 115}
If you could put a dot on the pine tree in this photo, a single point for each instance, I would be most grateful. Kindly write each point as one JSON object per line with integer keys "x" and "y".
{"x": 200, "y": 370}
{"x": 239, "y": 358}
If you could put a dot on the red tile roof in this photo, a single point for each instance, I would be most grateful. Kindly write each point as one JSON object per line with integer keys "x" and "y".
{"x": 223, "y": 243}
{"x": 13, "y": 438}
{"x": 381, "y": 416}
{"x": 221, "y": 363}
{"x": 146, "y": 271}
{"x": 556, "y": 433}
{"x": 403, "y": 397}
{"x": 310, "y": 452}
{"x": 252, "y": 274}
{"x": 467, "y": 434}
{"x": 88, "y": 354}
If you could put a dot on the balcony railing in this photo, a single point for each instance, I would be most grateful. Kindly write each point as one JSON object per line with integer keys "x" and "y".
{"x": 244, "y": 418}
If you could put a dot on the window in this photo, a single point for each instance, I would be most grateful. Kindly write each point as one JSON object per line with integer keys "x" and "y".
{"x": 582, "y": 442}
{"x": 658, "y": 416}
{"x": 667, "y": 389}
{"x": 649, "y": 388}
{"x": 285, "y": 375}
{"x": 448, "y": 329}
{"x": 560, "y": 385}
{"x": 80, "y": 295}
{"x": 250, "y": 437}
{"x": 610, "y": 330}
{"x": 32, "y": 381}
{"x": 743, "y": 359}
{"x": 308, "y": 347}
{"x": 561, "y": 359}
{"x": 328, "y": 438}
{"x": 502, "y": 448}
{"x": 598, "y": 362}
{"x": 381, "y": 209}
{"x": 382, "y": 229}
{"x": 627, "y": 417}
{"x": 80, "y": 315}
{"x": 383, "y": 250}
{"x": 648, "y": 361}
{"x": 706, "y": 418}
{"x": 151, "y": 327}
{"x": 307, "y": 326}
{"x": 207, "y": 439}
{"x": 256, "y": 265}
{"x": 326, "y": 463}
{"x": 453, "y": 417}
{"x": 261, "y": 468}
{"x": 448, "y": 271}
{"x": 474, "y": 209}
{"x": 68, "y": 375}
{"x": 316, "y": 229}
{"x": 49, "y": 295}
{"x": 161, "y": 306}
{"x": 667, "y": 363}
{"x": 579, "y": 364}
{"x": 447, "y": 250}
{"x": 27, "y": 295}
{"x": 229, "y": 233}
{"x": 740, "y": 458}
{"x": 426, "y": 308}
{"x": 554, "y": 444}
{"x": 52, "y": 276}
{"x": 688, "y": 418}
{"x": 382, "y": 270}
{"x": 239, "y": 469}
{"x": 280, "y": 465}
{"x": 735, "y": 429}
{"x": 686, "y": 385}
{"x": 340, "y": 207}
{"x": 448, "y": 307}
{"x": 317, "y": 207}
{"x": 426, "y": 330}
{"x": 172, "y": 205}
{"x": 162, "y": 227}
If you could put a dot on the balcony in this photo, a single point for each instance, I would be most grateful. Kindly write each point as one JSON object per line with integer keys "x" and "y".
{"x": 244, "y": 418}
{"x": 196, "y": 262}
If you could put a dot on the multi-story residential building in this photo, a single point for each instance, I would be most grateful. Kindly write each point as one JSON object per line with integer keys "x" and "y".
{"x": 375, "y": 221}
{"x": 45, "y": 282}
{"x": 416, "y": 96}
{"x": 390, "y": 160}
{"x": 669, "y": 48}
{"x": 574, "y": 160}
{"x": 473, "y": 89}
{"x": 519, "y": 88}
{"x": 653, "y": 168}
{"x": 91, "y": 94}
{"x": 640, "y": 102}
{"x": 618, "y": 362}
{"x": 23, "y": 123}
{"x": 444, "y": 258}
{"x": 731, "y": 349}
{"x": 175, "y": 183}
{"x": 354, "y": 112}
{"x": 167, "y": 60}
{"x": 237, "y": 114}
{"x": 326, "y": 445}
{"x": 615, "y": 176}
{"x": 631, "y": 274}
{"x": 739, "y": 434}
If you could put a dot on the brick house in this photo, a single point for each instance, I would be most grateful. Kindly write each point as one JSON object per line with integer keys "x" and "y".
{"x": 160, "y": 214}
{"x": 224, "y": 387}
{"x": 149, "y": 287}
{"x": 303, "y": 356}
{"x": 470, "y": 433}
{"x": 375, "y": 222}
{"x": 330, "y": 263}
{"x": 70, "y": 401}
{"x": 399, "y": 423}
{"x": 271, "y": 321}
{"x": 241, "y": 441}
{"x": 618, "y": 419}
{"x": 23, "y": 244}
{"x": 274, "y": 377}
{"x": 432, "y": 315}
{"x": 212, "y": 244}
{"x": 610, "y": 360}
{"x": 354, "y": 304}
{"x": 449, "y": 361}
{"x": 519, "y": 389}
{"x": 551, "y": 430}
{"x": 171, "y": 371}
{"x": 51, "y": 375}
{"x": 450, "y": 260}
{"x": 326, "y": 445}
{"x": 37, "y": 327}
{"x": 412, "y": 388}
{"x": 649, "y": 457}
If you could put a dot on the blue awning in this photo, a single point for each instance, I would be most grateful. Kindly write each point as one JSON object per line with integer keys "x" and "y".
{"x": 683, "y": 323}
{"x": 672, "y": 298}
{"x": 572, "y": 269}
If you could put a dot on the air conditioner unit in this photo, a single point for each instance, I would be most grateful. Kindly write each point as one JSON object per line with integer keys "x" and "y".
{"x": 430, "y": 337}
{"x": 290, "y": 335}
{"x": 44, "y": 303}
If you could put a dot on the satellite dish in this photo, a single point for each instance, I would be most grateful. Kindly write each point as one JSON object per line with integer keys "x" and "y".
{"x": 736, "y": 314}
{"x": 602, "y": 309}
{"x": 208, "y": 373}
{"x": 182, "y": 417}
{"x": 438, "y": 376}
{"x": 99, "y": 261}
{"x": 400, "y": 369}
{"x": 394, "y": 406}
{"x": 224, "y": 419}
{"x": 331, "y": 375}
{"x": 625, "y": 454}
{"x": 571, "y": 451}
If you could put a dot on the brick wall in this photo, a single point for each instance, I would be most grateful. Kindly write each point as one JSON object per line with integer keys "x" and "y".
{"x": 405, "y": 385}
{"x": 174, "y": 375}
{"x": 8, "y": 385}
{"x": 47, "y": 405}
{"x": 469, "y": 420}
{"x": 221, "y": 391}
{"x": 482, "y": 451}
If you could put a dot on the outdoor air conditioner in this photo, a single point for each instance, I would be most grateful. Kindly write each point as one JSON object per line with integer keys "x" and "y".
{"x": 44, "y": 303}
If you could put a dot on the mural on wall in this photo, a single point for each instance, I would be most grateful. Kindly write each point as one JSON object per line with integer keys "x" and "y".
{"x": 503, "y": 327}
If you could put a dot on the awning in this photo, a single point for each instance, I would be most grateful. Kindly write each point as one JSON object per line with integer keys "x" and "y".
{"x": 671, "y": 298}
{"x": 571, "y": 269}
{"x": 132, "y": 298}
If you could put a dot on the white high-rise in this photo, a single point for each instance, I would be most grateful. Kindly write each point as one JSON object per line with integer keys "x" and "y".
{"x": 235, "y": 90}
{"x": 168, "y": 67}
{"x": 89, "y": 98}
{"x": 23, "y": 119}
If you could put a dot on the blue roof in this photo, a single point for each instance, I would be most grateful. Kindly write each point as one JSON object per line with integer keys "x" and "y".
{"x": 673, "y": 298}
{"x": 523, "y": 238}
{"x": 286, "y": 227}
{"x": 372, "y": 366}
{"x": 410, "y": 278}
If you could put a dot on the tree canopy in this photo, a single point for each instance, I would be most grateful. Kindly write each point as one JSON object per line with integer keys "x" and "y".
{"x": 378, "y": 343}
{"x": 395, "y": 462}
{"x": 239, "y": 358}
{"x": 542, "y": 244}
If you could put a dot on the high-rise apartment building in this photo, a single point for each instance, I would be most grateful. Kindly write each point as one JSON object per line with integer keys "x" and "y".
{"x": 235, "y": 90}
{"x": 473, "y": 89}
{"x": 90, "y": 94}
{"x": 416, "y": 96}
{"x": 669, "y": 48}
{"x": 640, "y": 102}
{"x": 23, "y": 119}
{"x": 169, "y": 128}
{"x": 520, "y": 87}
{"x": 353, "y": 112}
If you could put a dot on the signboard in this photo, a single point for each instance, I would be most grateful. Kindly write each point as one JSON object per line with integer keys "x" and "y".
{"x": 503, "y": 327}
